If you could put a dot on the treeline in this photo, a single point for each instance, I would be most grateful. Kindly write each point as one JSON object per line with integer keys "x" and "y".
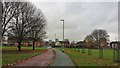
{"x": 23, "y": 21}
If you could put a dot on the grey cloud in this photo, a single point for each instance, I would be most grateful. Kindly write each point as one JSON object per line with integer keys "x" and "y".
{"x": 80, "y": 18}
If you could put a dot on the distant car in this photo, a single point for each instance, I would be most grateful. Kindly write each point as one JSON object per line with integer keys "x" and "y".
{"x": 49, "y": 47}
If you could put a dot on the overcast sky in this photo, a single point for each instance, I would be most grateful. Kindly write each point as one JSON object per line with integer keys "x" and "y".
{"x": 81, "y": 18}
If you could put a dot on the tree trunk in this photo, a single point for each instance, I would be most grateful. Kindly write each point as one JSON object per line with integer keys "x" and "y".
{"x": 89, "y": 51}
{"x": 19, "y": 46}
{"x": 100, "y": 52}
{"x": 33, "y": 45}
{"x": 83, "y": 49}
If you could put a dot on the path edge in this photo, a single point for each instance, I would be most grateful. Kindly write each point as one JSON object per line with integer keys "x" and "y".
{"x": 71, "y": 59}
{"x": 53, "y": 58}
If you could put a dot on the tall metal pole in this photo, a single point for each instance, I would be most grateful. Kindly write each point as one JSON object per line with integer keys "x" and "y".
{"x": 63, "y": 35}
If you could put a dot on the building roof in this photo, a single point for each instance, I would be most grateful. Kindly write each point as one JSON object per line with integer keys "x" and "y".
{"x": 66, "y": 42}
{"x": 80, "y": 42}
{"x": 118, "y": 42}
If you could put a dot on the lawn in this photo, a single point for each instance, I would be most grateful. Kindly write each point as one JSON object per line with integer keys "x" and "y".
{"x": 10, "y": 55}
{"x": 83, "y": 59}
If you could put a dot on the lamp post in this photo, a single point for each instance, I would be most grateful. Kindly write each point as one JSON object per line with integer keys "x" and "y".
{"x": 63, "y": 34}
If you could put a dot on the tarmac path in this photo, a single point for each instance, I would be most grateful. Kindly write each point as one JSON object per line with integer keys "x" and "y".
{"x": 43, "y": 59}
{"x": 61, "y": 59}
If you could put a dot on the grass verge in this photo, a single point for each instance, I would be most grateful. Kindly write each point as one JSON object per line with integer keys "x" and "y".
{"x": 10, "y": 55}
{"x": 83, "y": 59}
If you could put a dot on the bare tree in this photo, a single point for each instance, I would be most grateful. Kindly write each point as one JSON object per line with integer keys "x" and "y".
{"x": 89, "y": 42}
{"x": 22, "y": 21}
{"x": 28, "y": 22}
{"x": 100, "y": 35}
{"x": 0, "y": 18}
{"x": 8, "y": 12}
{"x": 38, "y": 32}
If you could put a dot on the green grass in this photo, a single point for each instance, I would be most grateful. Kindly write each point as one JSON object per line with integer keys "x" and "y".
{"x": 11, "y": 55}
{"x": 83, "y": 59}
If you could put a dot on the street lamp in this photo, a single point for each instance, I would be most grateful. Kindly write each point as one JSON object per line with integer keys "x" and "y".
{"x": 63, "y": 34}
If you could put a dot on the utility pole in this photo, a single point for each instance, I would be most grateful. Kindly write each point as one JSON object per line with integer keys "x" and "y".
{"x": 55, "y": 37}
